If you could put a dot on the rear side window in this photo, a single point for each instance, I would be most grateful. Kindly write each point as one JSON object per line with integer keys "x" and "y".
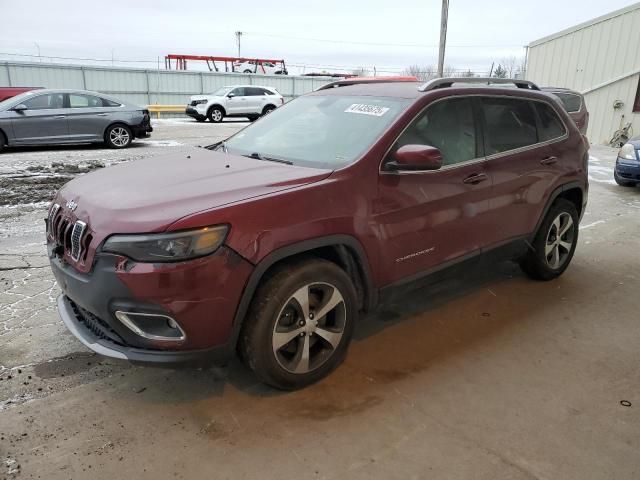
{"x": 550, "y": 125}
{"x": 510, "y": 124}
{"x": 84, "y": 101}
{"x": 447, "y": 125}
{"x": 254, "y": 91}
{"x": 572, "y": 102}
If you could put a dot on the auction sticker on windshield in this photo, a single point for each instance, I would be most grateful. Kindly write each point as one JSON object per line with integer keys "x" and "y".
{"x": 364, "y": 109}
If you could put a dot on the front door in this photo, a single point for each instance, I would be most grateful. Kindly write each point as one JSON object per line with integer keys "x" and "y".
{"x": 428, "y": 219}
{"x": 237, "y": 103}
{"x": 44, "y": 120}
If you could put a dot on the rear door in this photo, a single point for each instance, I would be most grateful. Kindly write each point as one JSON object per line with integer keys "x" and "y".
{"x": 429, "y": 218}
{"x": 522, "y": 158}
{"x": 88, "y": 117}
{"x": 257, "y": 99}
{"x": 44, "y": 121}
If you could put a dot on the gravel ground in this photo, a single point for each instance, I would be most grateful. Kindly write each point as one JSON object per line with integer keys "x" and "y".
{"x": 490, "y": 377}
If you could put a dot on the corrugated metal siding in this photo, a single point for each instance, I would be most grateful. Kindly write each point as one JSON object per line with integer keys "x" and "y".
{"x": 591, "y": 56}
{"x": 145, "y": 86}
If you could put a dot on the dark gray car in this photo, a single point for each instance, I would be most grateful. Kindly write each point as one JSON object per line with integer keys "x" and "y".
{"x": 47, "y": 117}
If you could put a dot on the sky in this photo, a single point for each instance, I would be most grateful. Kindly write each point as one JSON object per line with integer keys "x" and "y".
{"x": 329, "y": 35}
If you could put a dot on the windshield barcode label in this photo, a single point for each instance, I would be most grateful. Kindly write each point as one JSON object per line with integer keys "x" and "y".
{"x": 367, "y": 109}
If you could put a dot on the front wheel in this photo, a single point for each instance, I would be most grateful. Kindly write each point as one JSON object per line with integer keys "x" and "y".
{"x": 215, "y": 115}
{"x": 554, "y": 244}
{"x": 299, "y": 324}
{"x": 118, "y": 136}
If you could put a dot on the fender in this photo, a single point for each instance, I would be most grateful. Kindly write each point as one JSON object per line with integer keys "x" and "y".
{"x": 552, "y": 198}
{"x": 371, "y": 293}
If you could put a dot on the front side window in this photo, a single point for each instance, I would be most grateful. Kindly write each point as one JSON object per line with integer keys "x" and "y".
{"x": 319, "y": 131}
{"x": 84, "y": 101}
{"x": 447, "y": 125}
{"x": 238, "y": 92}
{"x": 550, "y": 125}
{"x": 43, "y": 102}
{"x": 510, "y": 124}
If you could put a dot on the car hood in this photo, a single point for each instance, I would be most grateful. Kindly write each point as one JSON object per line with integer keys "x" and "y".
{"x": 149, "y": 195}
{"x": 206, "y": 97}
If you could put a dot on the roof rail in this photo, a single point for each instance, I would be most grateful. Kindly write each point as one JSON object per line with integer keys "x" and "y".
{"x": 449, "y": 81}
{"x": 360, "y": 80}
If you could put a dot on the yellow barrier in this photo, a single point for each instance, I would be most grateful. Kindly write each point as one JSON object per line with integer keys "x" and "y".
{"x": 158, "y": 109}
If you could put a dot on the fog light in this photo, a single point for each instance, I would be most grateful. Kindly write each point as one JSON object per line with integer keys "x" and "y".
{"x": 152, "y": 326}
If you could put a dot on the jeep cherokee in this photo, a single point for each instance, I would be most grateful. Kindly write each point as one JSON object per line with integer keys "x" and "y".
{"x": 271, "y": 243}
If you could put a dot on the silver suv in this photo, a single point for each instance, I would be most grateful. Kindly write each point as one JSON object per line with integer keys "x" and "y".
{"x": 46, "y": 117}
{"x": 250, "y": 101}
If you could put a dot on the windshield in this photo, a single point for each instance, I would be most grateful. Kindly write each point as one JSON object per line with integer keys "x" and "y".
{"x": 221, "y": 91}
{"x": 319, "y": 131}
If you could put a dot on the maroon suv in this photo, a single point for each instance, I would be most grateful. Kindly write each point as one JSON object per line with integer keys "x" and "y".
{"x": 273, "y": 242}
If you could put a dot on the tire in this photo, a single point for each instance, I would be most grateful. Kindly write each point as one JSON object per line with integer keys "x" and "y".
{"x": 118, "y": 136}
{"x": 550, "y": 253}
{"x": 268, "y": 109}
{"x": 3, "y": 141}
{"x": 622, "y": 182}
{"x": 247, "y": 71}
{"x": 276, "y": 316}
{"x": 253, "y": 118}
{"x": 200, "y": 119}
{"x": 215, "y": 114}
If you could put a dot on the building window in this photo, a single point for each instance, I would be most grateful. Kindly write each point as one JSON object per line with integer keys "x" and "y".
{"x": 636, "y": 104}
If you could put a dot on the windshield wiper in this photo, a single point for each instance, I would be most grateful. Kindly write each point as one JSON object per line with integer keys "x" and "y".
{"x": 258, "y": 156}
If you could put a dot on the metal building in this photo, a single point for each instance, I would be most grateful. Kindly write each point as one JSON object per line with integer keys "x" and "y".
{"x": 601, "y": 59}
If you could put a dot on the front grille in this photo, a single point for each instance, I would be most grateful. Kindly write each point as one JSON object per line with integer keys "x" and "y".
{"x": 76, "y": 239}
{"x": 95, "y": 325}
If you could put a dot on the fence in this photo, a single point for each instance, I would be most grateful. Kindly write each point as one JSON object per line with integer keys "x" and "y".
{"x": 146, "y": 86}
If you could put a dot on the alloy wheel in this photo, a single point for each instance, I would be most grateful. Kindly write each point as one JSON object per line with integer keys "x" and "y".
{"x": 309, "y": 328}
{"x": 560, "y": 239}
{"x": 119, "y": 136}
{"x": 216, "y": 115}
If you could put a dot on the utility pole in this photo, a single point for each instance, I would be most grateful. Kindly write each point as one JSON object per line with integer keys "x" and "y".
{"x": 238, "y": 37}
{"x": 38, "y": 47}
{"x": 443, "y": 36}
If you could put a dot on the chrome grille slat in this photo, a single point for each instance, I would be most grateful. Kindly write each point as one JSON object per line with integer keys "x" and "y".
{"x": 52, "y": 215}
{"x": 76, "y": 239}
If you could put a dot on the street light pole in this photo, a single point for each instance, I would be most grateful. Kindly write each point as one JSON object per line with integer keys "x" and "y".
{"x": 38, "y": 47}
{"x": 443, "y": 36}
{"x": 238, "y": 37}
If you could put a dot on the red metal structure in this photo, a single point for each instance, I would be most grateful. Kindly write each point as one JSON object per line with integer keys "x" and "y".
{"x": 181, "y": 62}
{"x": 8, "y": 92}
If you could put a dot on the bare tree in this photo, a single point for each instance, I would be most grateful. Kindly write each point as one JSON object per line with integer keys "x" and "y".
{"x": 421, "y": 73}
{"x": 449, "y": 71}
{"x": 361, "y": 72}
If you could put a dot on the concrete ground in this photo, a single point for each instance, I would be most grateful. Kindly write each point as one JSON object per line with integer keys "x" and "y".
{"x": 491, "y": 377}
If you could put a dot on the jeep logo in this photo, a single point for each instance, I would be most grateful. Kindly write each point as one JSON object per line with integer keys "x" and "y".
{"x": 71, "y": 205}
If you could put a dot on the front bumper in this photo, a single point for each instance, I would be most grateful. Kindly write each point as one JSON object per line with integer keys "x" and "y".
{"x": 201, "y": 295}
{"x": 628, "y": 169}
{"x": 193, "y": 113}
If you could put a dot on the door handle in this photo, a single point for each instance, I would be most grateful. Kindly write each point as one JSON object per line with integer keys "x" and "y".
{"x": 101, "y": 114}
{"x": 476, "y": 178}
{"x": 549, "y": 160}
{"x": 60, "y": 116}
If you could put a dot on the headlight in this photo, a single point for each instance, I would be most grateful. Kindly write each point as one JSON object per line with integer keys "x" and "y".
{"x": 628, "y": 152}
{"x": 199, "y": 102}
{"x": 168, "y": 247}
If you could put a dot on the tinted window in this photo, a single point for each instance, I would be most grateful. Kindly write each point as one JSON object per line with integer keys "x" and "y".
{"x": 254, "y": 92}
{"x": 571, "y": 101}
{"x": 447, "y": 125}
{"x": 41, "y": 102}
{"x": 550, "y": 126}
{"x": 510, "y": 124}
{"x": 238, "y": 92}
{"x": 84, "y": 101}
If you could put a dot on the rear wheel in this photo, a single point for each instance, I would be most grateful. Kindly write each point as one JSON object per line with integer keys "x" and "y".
{"x": 215, "y": 114}
{"x": 247, "y": 71}
{"x": 621, "y": 181}
{"x": 554, "y": 243}
{"x": 268, "y": 109}
{"x": 253, "y": 118}
{"x": 299, "y": 324}
{"x": 118, "y": 136}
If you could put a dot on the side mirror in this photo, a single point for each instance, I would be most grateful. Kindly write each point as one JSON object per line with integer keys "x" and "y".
{"x": 231, "y": 95}
{"x": 415, "y": 158}
{"x": 21, "y": 107}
